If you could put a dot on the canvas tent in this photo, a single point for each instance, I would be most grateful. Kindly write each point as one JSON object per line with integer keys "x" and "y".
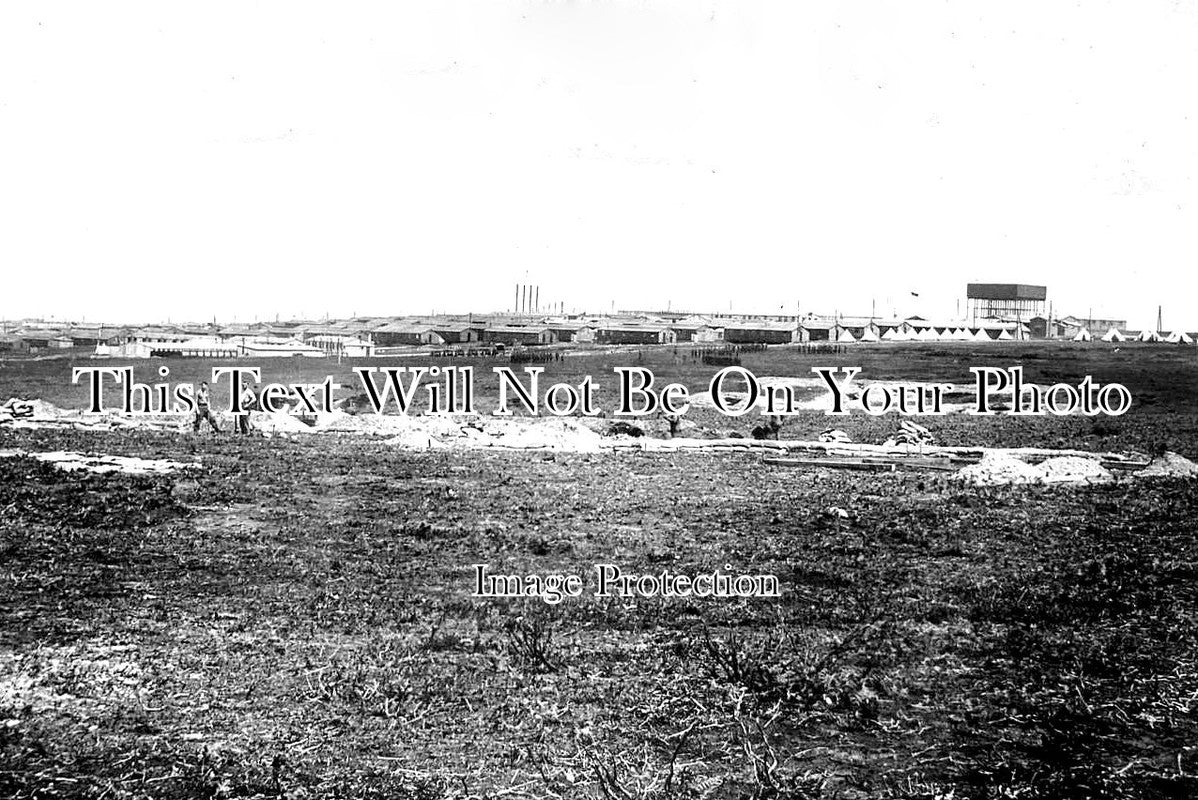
{"x": 1083, "y": 335}
{"x": 1179, "y": 337}
{"x": 1113, "y": 335}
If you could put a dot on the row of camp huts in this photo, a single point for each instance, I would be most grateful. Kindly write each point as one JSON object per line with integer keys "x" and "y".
{"x": 629, "y": 332}
{"x": 364, "y": 338}
{"x": 369, "y": 337}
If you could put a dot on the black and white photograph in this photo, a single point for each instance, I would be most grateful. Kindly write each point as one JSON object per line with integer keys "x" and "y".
{"x": 599, "y": 399}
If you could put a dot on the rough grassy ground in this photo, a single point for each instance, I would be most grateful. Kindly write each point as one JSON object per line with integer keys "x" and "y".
{"x": 295, "y": 620}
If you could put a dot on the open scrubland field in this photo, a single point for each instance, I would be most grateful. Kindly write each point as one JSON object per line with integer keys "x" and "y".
{"x": 294, "y": 618}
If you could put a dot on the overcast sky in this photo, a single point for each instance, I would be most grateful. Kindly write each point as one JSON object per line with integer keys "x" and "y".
{"x": 249, "y": 159}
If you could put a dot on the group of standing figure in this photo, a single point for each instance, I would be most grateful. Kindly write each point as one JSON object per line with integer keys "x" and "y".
{"x": 249, "y": 401}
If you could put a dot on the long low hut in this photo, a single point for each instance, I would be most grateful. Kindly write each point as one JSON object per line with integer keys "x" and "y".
{"x": 761, "y": 332}
{"x": 395, "y": 334}
{"x": 636, "y": 334}
{"x": 519, "y": 334}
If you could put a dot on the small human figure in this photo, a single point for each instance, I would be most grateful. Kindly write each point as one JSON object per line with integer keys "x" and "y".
{"x": 249, "y": 401}
{"x": 203, "y": 411}
{"x": 674, "y": 421}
